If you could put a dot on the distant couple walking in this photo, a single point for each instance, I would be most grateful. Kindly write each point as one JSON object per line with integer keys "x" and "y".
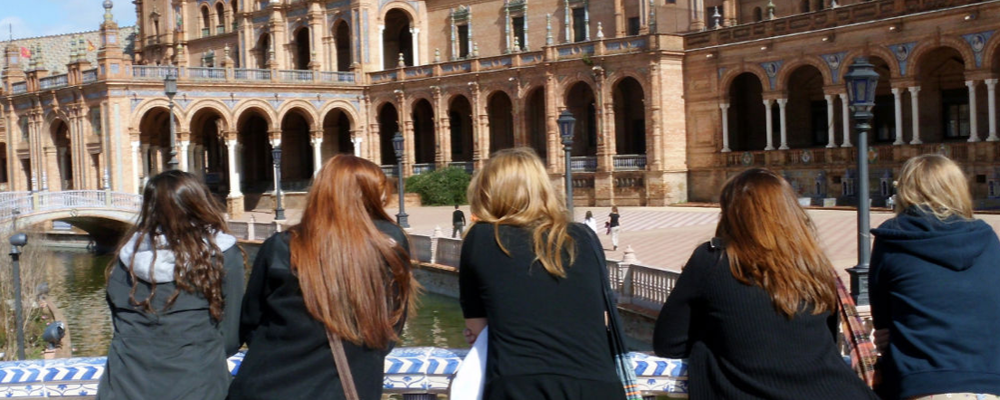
{"x": 613, "y": 225}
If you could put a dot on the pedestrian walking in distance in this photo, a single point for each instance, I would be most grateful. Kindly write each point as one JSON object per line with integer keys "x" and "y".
{"x": 590, "y": 221}
{"x": 457, "y": 222}
{"x": 614, "y": 225}
{"x": 174, "y": 291}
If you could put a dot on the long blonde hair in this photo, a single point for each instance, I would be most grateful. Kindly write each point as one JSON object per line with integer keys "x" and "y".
{"x": 935, "y": 184}
{"x": 771, "y": 243}
{"x": 514, "y": 189}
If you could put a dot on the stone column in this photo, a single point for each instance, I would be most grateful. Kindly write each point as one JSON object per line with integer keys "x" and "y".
{"x": 415, "y": 35}
{"x": 725, "y": 126}
{"x": 357, "y": 141}
{"x": 234, "y": 178}
{"x": 381, "y": 47}
{"x": 915, "y": 117}
{"x": 973, "y": 123}
{"x": 897, "y": 97}
{"x": 136, "y": 145}
{"x": 769, "y": 124}
{"x": 184, "y": 156}
{"x": 845, "y": 115}
{"x": 145, "y": 162}
{"x": 63, "y": 165}
{"x": 317, "y": 145}
{"x": 991, "y": 101}
{"x": 782, "y": 103}
{"x": 831, "y": 129}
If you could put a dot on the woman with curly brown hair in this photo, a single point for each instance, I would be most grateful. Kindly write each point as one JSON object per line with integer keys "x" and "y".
{"x": 174, "y": 292}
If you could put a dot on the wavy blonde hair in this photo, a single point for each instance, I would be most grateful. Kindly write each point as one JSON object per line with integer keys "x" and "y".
{"x": 937, "y": 185}
{"x": 514, "y": 189}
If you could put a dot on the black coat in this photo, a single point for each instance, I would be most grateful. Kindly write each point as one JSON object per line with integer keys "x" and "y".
{"x": 289, "y": 356}
{"x": 174, "y": 354}
{"x": 740, "y": 347}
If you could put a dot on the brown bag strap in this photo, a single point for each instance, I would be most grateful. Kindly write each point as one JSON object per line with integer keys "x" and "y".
{"x": 343, "y": 369}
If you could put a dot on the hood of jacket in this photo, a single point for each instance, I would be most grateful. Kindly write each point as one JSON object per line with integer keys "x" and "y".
{"x": 162, "y": 269}
{"x": 955, "y": 243}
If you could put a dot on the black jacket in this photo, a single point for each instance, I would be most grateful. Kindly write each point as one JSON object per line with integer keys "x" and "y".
{"x": 936, "y": 286}
{"x": 740, "y": 347}
{"x": 289, "y": 356}
{"x": 174, "y": 354}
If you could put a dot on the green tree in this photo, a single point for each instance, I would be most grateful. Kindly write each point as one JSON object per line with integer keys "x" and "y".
{"x": 440, "y": 187}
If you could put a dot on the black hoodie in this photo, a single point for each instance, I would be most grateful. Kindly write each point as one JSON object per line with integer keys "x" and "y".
{"x": 936, "y": 286}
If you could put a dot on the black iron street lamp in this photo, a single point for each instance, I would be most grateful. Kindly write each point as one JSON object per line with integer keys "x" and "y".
{"x": 397, "y": 145}
{"x": 16, "y": 241}
{"x": 170, "y": 89}
{"x": 279, "y": 211}
{"x": 566, "y": 122}
{"x": 861, "y": 80}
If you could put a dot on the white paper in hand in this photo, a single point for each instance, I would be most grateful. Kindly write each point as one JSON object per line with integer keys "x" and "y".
{"x": 471, "y": 376}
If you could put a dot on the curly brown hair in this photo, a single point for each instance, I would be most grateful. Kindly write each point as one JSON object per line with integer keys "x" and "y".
{"x": 178, "y": 207}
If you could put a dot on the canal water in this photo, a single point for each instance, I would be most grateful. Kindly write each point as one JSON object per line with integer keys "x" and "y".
{"x": 76, "y": 279}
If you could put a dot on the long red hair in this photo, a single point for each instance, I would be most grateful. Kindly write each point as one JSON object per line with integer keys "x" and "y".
{"x": 771, "y": 243}
{"x": 354, "y": 278}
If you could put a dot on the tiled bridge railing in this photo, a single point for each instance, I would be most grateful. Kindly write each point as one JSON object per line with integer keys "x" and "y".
{"x": 419, "y": 373}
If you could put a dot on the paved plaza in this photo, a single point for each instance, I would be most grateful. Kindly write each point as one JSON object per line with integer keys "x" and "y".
{"x": 664, "y": 237}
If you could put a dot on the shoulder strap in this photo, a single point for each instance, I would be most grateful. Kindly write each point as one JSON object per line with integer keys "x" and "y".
{"x": 343, "y": 369}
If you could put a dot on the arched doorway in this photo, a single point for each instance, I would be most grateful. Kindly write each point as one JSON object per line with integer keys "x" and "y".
{"x": 500, "y": 113}
{"x": 534, "y": 119}
{"x": 302, "y": 54}
{"x": 296, "y": 151}
{"x": 580, "y": 102}
{"x": 60, "y": 162}
{"x": 388, "y": 125}
{"x": 944, "y": 98}
{"x": 208, "y": 155}
{"x": 255, "y": 163}
{"x": 423, "y": 133}
{"x": 460, "y": 121}
{"x": 263, "y": 50}
{"x": 805, "y": 113}
{"x": 747, "y": 130}
{"x": 336, "y": 134}
{"x": 630, "y": 117}
{"x": 342, "y": 39}
{"x": 397, "y": 38}
{"x": 154, "y": 137}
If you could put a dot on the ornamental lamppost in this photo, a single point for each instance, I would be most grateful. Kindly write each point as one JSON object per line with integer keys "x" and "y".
{"x": 170, "y": 89}
{"x": 279, "y": 211}
{"x": 16, "y": 242}
{"x": 861, "y": 80}
{"x": 566, "y": 122}
{"x": 397, "y": 145}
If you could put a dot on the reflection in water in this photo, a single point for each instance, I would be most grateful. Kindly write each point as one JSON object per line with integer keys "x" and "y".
{"x": 78, "y": 285}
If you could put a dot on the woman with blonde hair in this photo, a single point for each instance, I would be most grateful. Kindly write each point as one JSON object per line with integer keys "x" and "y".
{"x": 535, "y": 278}
{"x": 755, "y": 309}
{"x": 339, "y": 279}
{"x": 935, "y": 274}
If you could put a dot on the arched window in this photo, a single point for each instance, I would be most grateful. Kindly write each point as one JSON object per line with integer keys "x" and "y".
{"x": 220, "y": 18}
{"x": 805, "y": 6}
{"x": 206, "y": 21}
{"x": 758, "y": 15}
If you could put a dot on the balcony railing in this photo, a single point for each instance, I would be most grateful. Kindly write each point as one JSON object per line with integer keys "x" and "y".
{"x": 337, "y": 76}
{"x": 468, "y": 166}
{"x": 221, "y": 29}
{"x": 19, "y": 87}
{"x": 152, "y": 71}
{"x": 630, "y": 162}
{"x": 204, "y": 32}
{"x": 422, "y": 168}
{"x": 390, "y": 170}
{"x": 207, "y": 73}
{"x": 583, "y": 164}
{"x": 252, "y": 74}
{"x": 295, "y": 75}
{"x": 90, "y": 75}
{"x": 55, "y": 81}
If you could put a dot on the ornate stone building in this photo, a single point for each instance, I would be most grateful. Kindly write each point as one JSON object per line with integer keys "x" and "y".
{"x": 669, "y": 97}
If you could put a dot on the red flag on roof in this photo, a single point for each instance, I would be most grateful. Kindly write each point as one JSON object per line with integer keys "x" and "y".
{"x": 90, "y": 46}
{"x": 25, "y": 52}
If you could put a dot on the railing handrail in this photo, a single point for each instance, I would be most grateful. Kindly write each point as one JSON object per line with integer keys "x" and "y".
{"x": 40, "y": 202}
{"x": 53, "y": 81}
{"x": 153, "y": 71}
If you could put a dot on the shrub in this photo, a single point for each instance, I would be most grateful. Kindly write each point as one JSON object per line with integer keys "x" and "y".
{"x": 443, "y": 187}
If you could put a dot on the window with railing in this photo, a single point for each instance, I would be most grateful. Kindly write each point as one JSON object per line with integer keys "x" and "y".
{"x": 955, "y": 113}
{"x": 461, "y": 35}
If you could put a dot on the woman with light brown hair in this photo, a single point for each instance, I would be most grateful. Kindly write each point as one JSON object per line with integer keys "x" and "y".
{"x": 934, "y": 289}
{"x": 755, "y": 309}
{"x": 343, "y": 271}
{"x": 535, "y": 278}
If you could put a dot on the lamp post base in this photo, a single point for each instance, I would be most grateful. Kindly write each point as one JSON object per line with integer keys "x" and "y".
{"x": 859, "y": 284}
{"x": 402, "y": 219}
